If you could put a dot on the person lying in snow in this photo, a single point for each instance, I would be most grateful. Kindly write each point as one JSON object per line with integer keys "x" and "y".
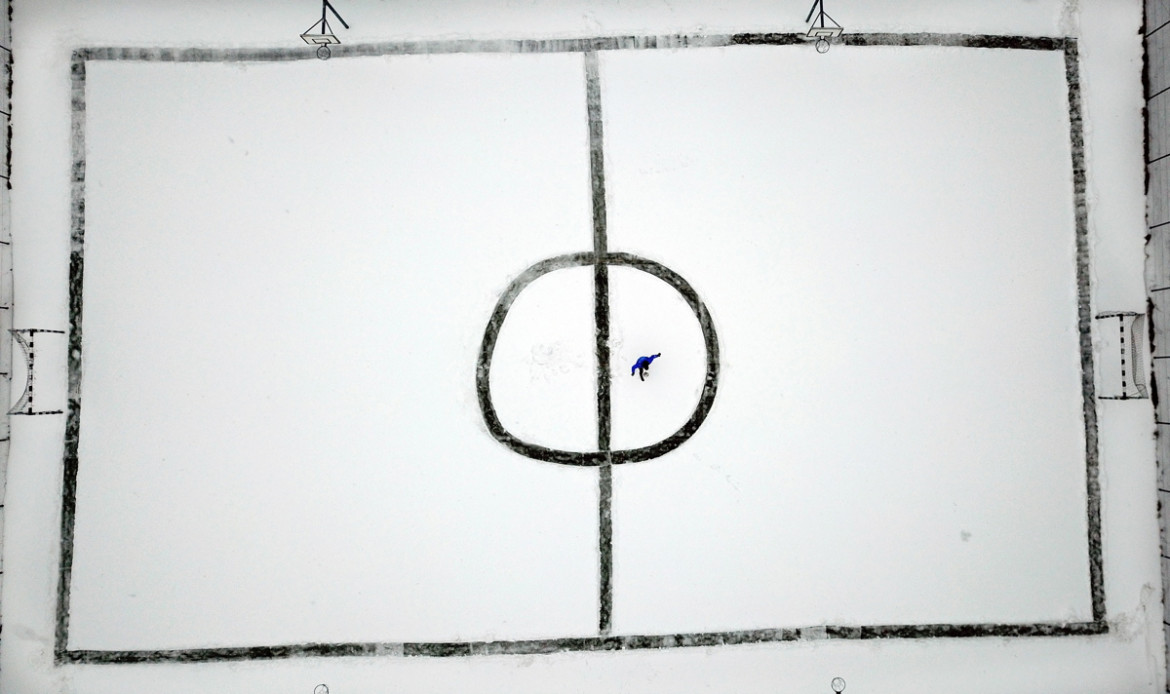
{"x": 642, "y": 366}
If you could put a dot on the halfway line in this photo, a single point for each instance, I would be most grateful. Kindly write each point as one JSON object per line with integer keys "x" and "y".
{"x": 601, "y": 332}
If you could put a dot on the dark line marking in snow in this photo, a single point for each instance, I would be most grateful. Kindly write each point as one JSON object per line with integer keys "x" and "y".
{"x": 596, "y": 458}
{"x": 569, "y": 45}
{"x": 601, "y": 348}
{"x": 73, "y": 418}
{"x": 588, "y": 644}
{"x": 1084, "y": 320}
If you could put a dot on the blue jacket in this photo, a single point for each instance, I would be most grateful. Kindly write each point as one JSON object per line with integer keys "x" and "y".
{"x": 643, "y": 362}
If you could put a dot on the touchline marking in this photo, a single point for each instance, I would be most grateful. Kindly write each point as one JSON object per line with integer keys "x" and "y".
{"x": 584, "y": 644}
{"x": 599, "y": 257}
{"x": 579, "y": 45}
